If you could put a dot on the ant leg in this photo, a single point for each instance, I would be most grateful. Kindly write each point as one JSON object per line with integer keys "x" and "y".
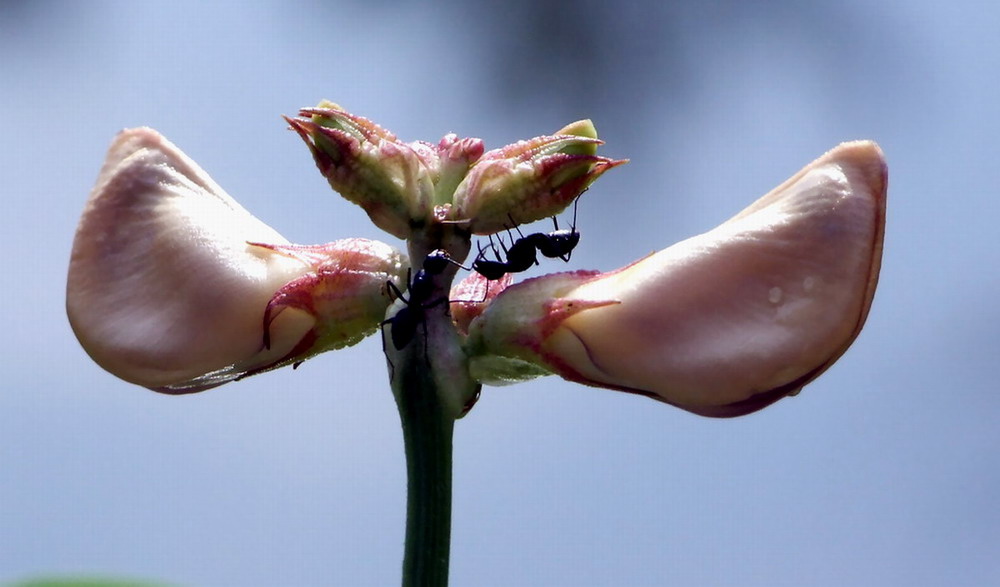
{"x": 513, "y": 223}
{"x": 395, "y": 292}
{"x": 572, "y": 228}
{"x": 516, "y": 227}
{"x": 381, "y": 330}
{"x": 502, "y": 246}
{"x": 486, "y": 295}
{"x": 482, "y": 252}
{"x": 486, "y": 292}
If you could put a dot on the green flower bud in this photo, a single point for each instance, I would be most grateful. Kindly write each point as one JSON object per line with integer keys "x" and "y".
{"x": 370, "y": 167}
{"x": 530, "y": 180}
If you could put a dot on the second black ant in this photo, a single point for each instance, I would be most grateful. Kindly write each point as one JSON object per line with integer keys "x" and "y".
{"x": 403, "y": 325}
{"x": 523, "y": 252}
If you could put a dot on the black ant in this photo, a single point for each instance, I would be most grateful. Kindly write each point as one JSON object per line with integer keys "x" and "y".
{"x": 523, "y": 252}
{"x": 520, "y": 257}
{"x": 421, "y": 287}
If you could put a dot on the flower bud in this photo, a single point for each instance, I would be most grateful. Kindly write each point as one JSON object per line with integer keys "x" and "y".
{"x": 391, "y": 180}
{"x": 456, "y": 157}
{"x": 530, "y": 180}
{"x": 724, "y": 323}
{"x": 169, "y": 288}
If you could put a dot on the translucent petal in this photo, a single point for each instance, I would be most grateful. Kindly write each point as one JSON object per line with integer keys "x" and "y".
{"x": 747, "y": 313}
{"x": 163, "y": 286}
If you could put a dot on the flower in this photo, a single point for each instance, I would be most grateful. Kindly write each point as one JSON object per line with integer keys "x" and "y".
{"x": 721, "y": 324}
{"x": 530, "y": 180}
{"x": 391, "y": 180}
{"x": 174, "y": 286}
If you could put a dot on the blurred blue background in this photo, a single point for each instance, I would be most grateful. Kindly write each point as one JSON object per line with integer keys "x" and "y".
{"x": 885, "y": 471}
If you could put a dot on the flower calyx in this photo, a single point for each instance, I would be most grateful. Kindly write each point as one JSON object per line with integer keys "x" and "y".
{"x": 530, "y": 180}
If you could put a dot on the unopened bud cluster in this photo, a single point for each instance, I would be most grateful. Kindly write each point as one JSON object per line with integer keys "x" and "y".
{"x": 406, "y": 186}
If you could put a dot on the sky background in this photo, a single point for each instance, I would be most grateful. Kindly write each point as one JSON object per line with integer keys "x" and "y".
{"x": 884, "y": 471}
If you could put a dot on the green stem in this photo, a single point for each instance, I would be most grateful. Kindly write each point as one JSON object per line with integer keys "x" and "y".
{"x": 432, "y": 386}
{"x": 427, "y": 434}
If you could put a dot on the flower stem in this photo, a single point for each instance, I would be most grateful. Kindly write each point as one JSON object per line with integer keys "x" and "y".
{"x": 427, "y": 434}
{"x": 432, "y": 386}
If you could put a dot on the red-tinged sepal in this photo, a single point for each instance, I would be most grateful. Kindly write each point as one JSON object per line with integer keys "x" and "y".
{"x": 338, "y": 300}
{"x": 456, "y": 157}
{"x": 471, "y": 296}
{"x": 505, "y": 342}
{"x": 345, "y": 293}
{"x": 391, "y": 180}
{"x": 530, "y": 180}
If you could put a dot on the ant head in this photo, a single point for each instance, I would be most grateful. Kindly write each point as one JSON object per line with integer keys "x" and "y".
{"x": 560, "y": 242}
{"x": 569, "y": 239}
{"x": 436, "y": 261}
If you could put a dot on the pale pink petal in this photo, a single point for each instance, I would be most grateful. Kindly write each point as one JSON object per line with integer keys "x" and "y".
{"x": 163, "y": 286}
